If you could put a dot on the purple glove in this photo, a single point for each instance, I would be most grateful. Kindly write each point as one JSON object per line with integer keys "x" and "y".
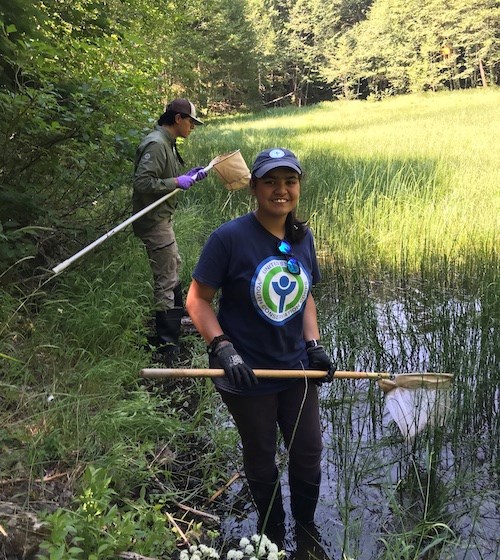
{"x": 184, "y": 182}
{"x": 197, "y": 173}
{"x": 190, "y": 177}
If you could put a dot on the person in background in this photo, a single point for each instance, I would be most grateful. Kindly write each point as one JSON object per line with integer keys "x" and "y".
{"x": 157, "y": 172}
{"x": 264, "y": 264}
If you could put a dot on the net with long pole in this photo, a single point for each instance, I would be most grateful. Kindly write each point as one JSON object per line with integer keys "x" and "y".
{"x": 413, "y": 400}
{"x": 232, "y": 170}
{"x": 414, "y": 403}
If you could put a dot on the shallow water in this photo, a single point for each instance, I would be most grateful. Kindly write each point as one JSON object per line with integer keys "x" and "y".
{"x": 382, "y": 495}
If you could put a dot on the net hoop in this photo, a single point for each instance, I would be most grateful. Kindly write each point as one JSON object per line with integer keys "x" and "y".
{"x": 232, "y": 170}
{"x": 417, "y": 381}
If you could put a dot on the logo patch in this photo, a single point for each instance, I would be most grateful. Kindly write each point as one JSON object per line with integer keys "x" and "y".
{"x": 277, "y": 153}
{"x": 276, "y": 294}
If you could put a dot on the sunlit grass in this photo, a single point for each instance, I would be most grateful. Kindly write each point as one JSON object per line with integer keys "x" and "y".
{"x": 388, "y": 185}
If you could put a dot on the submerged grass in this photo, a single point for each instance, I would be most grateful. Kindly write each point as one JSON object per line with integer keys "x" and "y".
{"x": 429, "y": 497}
{"x": 403, "y": 199}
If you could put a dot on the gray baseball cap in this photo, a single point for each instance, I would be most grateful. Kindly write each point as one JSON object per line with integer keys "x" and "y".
{"x": 185, "y": 107}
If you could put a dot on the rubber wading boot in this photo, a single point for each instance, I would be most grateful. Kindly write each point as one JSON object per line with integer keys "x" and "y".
{"x": 168, "y": 326}
{"x": 178, "y": 298}
{"x": 269, "y": 503}
{"x": 308, "y": 542}
{"x": 304, "y": 498}
{"x": 186, "y": 322}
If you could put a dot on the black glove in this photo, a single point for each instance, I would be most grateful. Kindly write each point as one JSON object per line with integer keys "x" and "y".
{"x": 319, "y": 359}
{"x": 238, "y": 373}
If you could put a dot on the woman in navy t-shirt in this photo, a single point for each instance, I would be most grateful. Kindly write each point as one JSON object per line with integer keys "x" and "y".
{"x": 264, "y": 264}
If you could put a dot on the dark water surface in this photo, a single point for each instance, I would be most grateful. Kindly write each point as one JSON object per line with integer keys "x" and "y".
{"x": 383, "y": 495}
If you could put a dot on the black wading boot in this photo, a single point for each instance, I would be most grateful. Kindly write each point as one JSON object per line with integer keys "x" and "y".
{"x": 186, "y": 322}
{"x": 309, "y": 547}
{"x": 178, "y": 298}
{"x": 269, "y": 503}
{"x": 168, "y": 326}
{"x": 304, "y": 498}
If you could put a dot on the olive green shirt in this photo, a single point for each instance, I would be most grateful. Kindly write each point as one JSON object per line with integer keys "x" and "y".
{"x": 156, "y": 166}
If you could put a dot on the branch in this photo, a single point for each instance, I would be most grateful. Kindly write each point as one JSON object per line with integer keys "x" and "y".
{"x": 24, "y": 479}
{"x": 215, "y": 518}
{"x": 279, "y": 98}
{"x": 177, "y": 528}
{"x": 134, "y": 556}
{"x": 224, "y": 488}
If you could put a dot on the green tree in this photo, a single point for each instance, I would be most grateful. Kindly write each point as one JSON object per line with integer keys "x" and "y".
{"x": 311, "y": 26}
{"x": 215, "y": 60}
{"x": 410, "y": 45}
{"x": 17, "y": 19}
{"x": 267, "y": 18}
{"x": 294, "y": 40}
{"x": 66, "y": 121}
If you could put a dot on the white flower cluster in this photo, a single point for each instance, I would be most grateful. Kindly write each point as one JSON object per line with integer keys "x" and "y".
{"x": 199, "y": 552}
{"x": 259, "y": 547}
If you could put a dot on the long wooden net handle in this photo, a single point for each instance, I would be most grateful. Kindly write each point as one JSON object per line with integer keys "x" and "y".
{"x": 388, "y": 381}
{"x": 154, "y": 373}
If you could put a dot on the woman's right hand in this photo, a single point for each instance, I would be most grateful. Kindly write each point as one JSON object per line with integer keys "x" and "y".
{"x": 238, "y": 373}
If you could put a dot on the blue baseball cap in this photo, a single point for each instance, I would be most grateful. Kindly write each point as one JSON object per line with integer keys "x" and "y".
{"x": 272, "y": 158}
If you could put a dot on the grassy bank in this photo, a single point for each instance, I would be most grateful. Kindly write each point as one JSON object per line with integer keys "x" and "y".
{"x": 399, "y": 193}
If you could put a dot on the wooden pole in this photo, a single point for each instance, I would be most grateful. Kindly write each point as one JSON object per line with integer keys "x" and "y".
{"x": 403, "y": 380}
{"x": 158, "y": 373}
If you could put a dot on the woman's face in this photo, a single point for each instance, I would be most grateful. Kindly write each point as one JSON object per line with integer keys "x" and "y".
{"x": 277, "y": 192}
{"x": 183, "y": 126}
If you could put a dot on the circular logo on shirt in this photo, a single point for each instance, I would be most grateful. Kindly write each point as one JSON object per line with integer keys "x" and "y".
{"x": 276, "y": 293}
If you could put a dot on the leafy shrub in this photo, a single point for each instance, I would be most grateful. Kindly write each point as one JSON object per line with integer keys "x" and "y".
{"x": 98, "y": 529}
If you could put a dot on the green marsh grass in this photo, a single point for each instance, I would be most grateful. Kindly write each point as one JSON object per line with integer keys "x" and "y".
{"x": 432, "y": 496}
{"x": 392, "y": 185}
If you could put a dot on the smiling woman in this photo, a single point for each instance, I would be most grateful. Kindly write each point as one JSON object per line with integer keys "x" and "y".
{"x": 265, "y": 265}
{"x": 276, "y": 186}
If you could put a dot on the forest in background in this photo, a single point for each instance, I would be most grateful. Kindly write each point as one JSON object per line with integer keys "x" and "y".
{"x": 82, "y": 80}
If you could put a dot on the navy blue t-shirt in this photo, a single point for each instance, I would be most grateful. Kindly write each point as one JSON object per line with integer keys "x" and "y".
{"x": 261, "y": 305}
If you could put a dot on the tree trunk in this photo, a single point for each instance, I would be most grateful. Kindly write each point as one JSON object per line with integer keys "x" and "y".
{"x": 483, "y": 75}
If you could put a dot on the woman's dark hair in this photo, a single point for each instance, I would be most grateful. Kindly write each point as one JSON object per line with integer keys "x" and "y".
{"x": 168, "y": 117}
{"x": 295, "y": 229}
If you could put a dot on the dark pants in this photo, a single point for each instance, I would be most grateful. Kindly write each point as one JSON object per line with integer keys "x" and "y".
{"x": 257, "y": 419}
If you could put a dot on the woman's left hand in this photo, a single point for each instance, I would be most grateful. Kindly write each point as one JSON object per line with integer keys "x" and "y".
{"x": 319, "y": 359}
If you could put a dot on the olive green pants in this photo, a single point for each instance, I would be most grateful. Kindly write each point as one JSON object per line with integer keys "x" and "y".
{"x": 165, "y": 263}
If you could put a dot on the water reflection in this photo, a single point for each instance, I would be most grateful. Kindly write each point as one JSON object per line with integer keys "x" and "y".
{"x": 383, "y": 496}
